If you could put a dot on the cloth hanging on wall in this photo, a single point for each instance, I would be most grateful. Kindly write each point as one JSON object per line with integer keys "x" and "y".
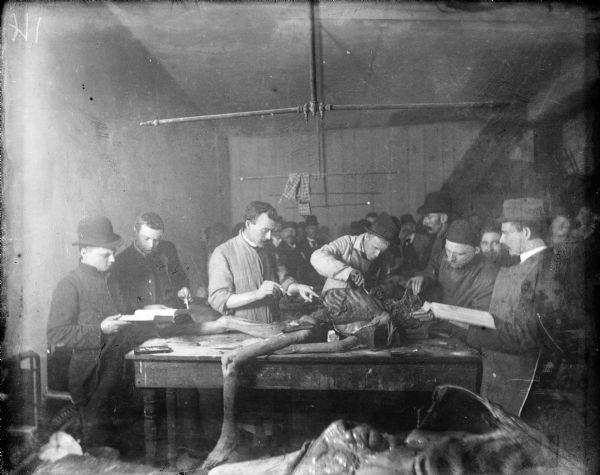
{"x": 297, "y": 189}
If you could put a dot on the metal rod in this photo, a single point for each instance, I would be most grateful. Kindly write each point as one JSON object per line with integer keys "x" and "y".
{"x": 318, "y": 175}
{"x": 337, "y": 193}
{"x": 422, "y": 105}
{"x": 230, "y": 115}
{"x": 332, "y": 206}
{"x": 313, "y": 65}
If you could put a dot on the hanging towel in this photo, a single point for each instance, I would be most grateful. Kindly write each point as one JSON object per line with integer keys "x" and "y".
{"x": 297, "y": 189}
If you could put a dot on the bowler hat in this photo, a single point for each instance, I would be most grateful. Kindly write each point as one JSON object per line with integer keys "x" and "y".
{"x": 384, "y": 227}
{"x": 436, "y": 202}
{"x": 288, "y": 224}
{"x": 407, "y": 218}
{"x": 311, "y": 220}
{"x": 97, "y": 231}
{"x": 461, "y": 232}
{"x": 523, "y": 209}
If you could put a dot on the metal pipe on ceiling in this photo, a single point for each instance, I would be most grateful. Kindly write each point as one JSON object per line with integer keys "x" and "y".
{"x": 229, "y": 115}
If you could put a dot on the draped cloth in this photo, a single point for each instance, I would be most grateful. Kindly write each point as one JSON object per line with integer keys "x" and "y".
{"x": 297, "y": 189}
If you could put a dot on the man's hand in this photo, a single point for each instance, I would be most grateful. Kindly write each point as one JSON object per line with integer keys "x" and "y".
{"x": 378, "y": 292}
{"x": 112, "y": 324}
{"x": 305, "y": 291}
{"x": 357, "y": 278}
{"x": 269, "y": 288}
{"x": 185, "y": 295}
{"x": 416, "y": 284}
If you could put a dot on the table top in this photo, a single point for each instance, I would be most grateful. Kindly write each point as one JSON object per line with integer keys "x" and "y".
{"x": 210, "y": 348}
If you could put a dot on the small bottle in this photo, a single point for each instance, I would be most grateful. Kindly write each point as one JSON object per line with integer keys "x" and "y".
{"x": 332, "y": 336}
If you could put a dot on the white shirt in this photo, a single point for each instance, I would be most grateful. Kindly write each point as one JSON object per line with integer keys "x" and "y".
{"x": 532, "y": 252}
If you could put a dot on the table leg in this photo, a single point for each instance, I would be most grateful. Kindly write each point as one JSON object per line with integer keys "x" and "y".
{"x": 171, "y": 402}
{"x": 150, "y": 424}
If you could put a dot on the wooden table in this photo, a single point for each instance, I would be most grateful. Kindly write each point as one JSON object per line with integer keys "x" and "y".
{"x": 195, "y": 362}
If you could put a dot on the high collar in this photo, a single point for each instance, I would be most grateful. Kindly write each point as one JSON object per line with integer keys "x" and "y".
{"x": 91, "y": 270}
{"x": 532, "y": 252}
{"x": 250, "y": 243}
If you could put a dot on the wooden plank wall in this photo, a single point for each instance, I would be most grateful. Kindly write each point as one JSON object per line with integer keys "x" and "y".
{"x": 417, "y": 159}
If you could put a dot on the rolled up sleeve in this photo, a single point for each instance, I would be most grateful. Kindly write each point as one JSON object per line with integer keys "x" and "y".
{"x": 330, "y": 260}
{"x": 220, "y": 279}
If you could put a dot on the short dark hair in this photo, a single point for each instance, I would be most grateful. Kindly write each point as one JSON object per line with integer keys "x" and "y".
{"x": 150, "y": 219}
{"x": 371, "y": 214}
{"x": 537, "y": 228}
{"x": 256, "y": 208}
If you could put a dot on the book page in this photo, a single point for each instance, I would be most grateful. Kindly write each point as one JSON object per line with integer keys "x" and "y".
{"x": 463, "y": 315}
{"x": 147, "y": 315}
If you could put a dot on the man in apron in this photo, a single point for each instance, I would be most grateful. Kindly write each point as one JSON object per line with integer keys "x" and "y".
{"x": 528, "y": 307}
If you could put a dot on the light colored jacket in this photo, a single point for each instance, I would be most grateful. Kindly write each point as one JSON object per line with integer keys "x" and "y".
{"x": 338, "y": 258}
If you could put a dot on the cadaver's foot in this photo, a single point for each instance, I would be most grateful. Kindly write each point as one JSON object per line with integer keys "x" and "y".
{"x": 224, "y": 451}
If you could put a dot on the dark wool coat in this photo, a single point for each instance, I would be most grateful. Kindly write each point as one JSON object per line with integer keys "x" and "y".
{"x": 148, "y": 280}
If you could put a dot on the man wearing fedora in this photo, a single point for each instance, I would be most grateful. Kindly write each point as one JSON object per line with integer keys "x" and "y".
{"x": 84, "y": 317}
{"x": 528, "y": 307}
{"x": 149, "y": 271}
{"x": 345, "y": 261}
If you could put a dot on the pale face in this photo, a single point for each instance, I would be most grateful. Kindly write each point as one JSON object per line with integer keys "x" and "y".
{"x": 261, "y": 230}
{"x": 311, "y": 231}
{"x": 561, "y": 227}
{"x": 513, "y": 239}
{"x": 407, "y": 229}
{"x": 375, "y": 246}
{"x": 147, "y": 239}
{"x": 99, "y": 257}
{"x": 490, "y": 245}
{"x": 434, "y": 222}
{"x": 459, "y": 255}
{"x": 289, "y": 236}
{"x": 584, "y": 216}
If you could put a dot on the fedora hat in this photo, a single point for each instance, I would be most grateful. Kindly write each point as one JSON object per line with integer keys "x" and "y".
{"x": 523, "y": 209}
{"x": 311, "y": 220}
{"x": 436, "y": 202}
{"x": 97, "y": 231}
{"x": 384, "y": 227}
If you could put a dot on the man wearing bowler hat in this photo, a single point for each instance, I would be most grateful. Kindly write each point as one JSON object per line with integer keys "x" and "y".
{"x": 436, "y": 212}
{"x": 85, "y": 319}
{"x": 311, "y": 242}
{"x": 345, "y": 260}
{"x": 528, "y": 308}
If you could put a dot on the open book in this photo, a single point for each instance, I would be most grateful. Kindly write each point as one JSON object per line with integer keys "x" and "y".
{"x": 148, "y": 315}
{"x": 461, "y": 316}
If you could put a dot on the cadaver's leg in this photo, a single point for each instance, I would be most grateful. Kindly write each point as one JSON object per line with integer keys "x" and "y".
{"x": 324, "y": 347}
{"x": 223, "y": 325}
{"x": 231, "y": 362}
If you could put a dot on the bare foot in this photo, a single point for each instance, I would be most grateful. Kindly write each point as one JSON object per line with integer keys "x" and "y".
{"x": 224, "y": 451}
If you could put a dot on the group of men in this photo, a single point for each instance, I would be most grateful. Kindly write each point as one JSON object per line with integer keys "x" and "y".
{"x": 247, "y": 279}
